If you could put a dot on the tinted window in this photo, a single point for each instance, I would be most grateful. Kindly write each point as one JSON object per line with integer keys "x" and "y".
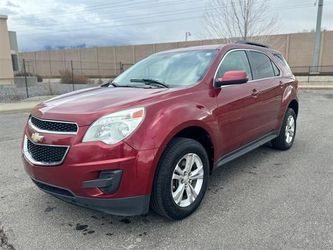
{"x": 284, "y": 62}
{"x": 261, "y": 65}
{"x": 236, "y": 60}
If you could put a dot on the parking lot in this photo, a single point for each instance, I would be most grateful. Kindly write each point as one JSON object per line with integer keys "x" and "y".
{"x": 266, "y": 199}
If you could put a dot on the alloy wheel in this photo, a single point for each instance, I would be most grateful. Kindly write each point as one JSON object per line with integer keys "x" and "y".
{"x": 290, "y": 129}
{"x": 187, "y": 179}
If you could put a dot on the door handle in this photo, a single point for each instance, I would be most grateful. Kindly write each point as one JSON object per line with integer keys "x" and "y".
{"x": 254, "y": 93}
{"x": 281, "y": 84}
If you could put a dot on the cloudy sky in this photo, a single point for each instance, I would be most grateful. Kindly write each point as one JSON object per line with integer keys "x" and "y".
{"x": 64, "y": 23}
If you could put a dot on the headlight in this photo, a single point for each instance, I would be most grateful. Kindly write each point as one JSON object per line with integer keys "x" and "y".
{"x": 115, "y": 127}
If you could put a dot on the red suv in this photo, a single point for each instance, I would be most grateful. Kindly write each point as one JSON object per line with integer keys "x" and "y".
{"x": 151, "y": 137}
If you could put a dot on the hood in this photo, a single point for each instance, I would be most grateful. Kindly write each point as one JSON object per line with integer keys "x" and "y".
{"x": 85, "y": 106}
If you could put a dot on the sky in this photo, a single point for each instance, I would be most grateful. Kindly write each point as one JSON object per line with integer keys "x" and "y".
{"x": 54, "y": 24}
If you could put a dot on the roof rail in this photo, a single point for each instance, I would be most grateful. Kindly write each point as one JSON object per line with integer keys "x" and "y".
{"x": 252, "y": 43}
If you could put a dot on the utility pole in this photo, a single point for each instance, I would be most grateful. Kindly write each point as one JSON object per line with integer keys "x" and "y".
{"x": 316, "y": 49}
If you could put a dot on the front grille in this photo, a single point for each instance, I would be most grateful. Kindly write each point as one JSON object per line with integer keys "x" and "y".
{"x": 52, "y": 189}
{"x": 44, "y": 154}
{"x": 53, "y": 126}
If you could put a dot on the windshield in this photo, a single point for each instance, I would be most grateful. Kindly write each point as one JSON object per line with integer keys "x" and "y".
{"x": 174, "y": 69}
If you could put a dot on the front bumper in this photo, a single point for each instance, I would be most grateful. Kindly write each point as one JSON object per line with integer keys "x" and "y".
{"x": 129, "y": 206}
{"x": 77, "y": 178}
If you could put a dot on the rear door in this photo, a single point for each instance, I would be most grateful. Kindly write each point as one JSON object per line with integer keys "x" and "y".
{"x": 266, "y": 81}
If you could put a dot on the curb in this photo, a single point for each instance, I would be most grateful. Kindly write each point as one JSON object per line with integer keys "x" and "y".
{"x": 25, "y": 105}
{"x": 14, "y": 108}
{"x": 314, "y": 87}
{"x": 13, "y": 111}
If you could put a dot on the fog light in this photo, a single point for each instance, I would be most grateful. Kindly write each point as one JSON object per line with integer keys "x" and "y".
{"x": 108, "y": 181}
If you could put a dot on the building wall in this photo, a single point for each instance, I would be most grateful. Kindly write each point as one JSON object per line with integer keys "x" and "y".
{"x": 6, "y": 68}
{"x": 110, "y": 61}
{"x": 327, "y": 51}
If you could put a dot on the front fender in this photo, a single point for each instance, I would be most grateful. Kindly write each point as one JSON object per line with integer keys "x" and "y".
{"x": 158, "y": 129}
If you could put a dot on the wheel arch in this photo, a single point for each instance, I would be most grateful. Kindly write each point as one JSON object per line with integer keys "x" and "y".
{"x": 200, "y": 135}
{"x": 293, "y": 104}
{"x": 192, "y": 130}
{"x": 187, "y": 130}
{"x": 289, "y": 100}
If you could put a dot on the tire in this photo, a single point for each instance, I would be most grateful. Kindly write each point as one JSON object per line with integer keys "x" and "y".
{"x": 167, "y": 187}
{"x": 283, "y": 141}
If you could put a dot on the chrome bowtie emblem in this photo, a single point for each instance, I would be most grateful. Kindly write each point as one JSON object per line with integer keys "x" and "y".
{"x": 36, "y": 137}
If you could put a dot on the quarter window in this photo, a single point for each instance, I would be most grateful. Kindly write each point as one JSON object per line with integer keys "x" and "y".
{"x": 284, "y": 62}
{"x": 235, "y": 60}
{"x": 275, "y": 69}
{"x": 261, "y": 65}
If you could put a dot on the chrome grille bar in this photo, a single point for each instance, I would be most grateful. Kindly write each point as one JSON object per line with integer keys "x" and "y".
{"x": 29, "y": 157}
{"x": 54, "y": 127}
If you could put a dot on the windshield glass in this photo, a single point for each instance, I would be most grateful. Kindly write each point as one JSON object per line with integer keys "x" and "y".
{"x": 174, "y": 69}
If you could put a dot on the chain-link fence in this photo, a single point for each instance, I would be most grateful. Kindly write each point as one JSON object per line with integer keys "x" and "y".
{"x": 53, "y": 77}
{"x": 317, "y": 75}
{"x": 45, "y": 77}
{"x": 312, "y": 70}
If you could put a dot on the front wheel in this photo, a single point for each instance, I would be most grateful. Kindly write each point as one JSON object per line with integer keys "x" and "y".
{"x": 287, "y": 133}
{"x": 181, "y": 179}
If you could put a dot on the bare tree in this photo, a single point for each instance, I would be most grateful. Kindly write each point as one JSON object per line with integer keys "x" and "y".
{"x": 240, "y": 19}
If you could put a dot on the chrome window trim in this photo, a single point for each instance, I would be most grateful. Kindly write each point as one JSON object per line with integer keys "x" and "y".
{"x": 29, "y": 157}
{"x": 50, "y": 131}
{"x": 232, "y": 50}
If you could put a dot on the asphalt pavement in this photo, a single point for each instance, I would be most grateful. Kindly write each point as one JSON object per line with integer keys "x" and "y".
{"x": 267, "y": 199}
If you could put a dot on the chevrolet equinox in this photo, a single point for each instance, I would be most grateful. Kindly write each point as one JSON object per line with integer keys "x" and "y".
{"x": 151, "y": 137}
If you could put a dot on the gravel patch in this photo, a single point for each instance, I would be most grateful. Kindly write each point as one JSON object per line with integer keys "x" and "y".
{"x": 12, "y": 93}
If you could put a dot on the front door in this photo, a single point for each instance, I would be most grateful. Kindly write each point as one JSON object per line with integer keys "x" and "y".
{"x": 237, "y": 109}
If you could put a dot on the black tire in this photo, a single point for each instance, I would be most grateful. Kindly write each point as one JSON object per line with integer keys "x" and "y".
{"x": 162, "y": 201}
{"x": 281, "y": 142}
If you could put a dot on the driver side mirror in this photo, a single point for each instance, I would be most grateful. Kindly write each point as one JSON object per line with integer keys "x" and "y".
{"x": 231, "y": 77}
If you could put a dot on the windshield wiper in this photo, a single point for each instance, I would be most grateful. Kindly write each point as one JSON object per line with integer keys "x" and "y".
{"x": 150, "y": 82}
{"x": 107, "y": 84}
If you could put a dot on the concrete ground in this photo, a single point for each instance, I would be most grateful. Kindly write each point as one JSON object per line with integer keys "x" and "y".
{"x": 266, "y": 199}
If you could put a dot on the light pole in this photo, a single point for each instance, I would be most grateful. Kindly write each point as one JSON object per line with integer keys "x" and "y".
{"x": 316, "y": 49}
{"x": 187, "y": 34}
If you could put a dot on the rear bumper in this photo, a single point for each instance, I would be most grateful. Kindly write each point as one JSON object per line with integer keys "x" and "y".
{"x": 128, "y": 206}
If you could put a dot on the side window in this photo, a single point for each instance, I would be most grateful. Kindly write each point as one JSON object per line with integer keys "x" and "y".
{"x": 284, "y": 62}
{"x": 261, "y": 65}
{"x": 235, "y": 60}
{"x": 275, "y": 69}
{"x": 15, "y": 62}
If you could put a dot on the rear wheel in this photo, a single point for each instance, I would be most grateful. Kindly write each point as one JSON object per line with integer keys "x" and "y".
{"x": 181, "y": 180}
{"x": 287, "y": 133}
